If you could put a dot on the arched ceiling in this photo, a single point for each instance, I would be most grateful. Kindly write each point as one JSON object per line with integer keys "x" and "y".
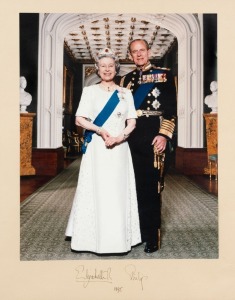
{"x": 116, "y": 31}
{"x": 55, "y": 29}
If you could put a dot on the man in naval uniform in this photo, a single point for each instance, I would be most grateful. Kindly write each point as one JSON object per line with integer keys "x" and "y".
{"x": 154, "y": 94}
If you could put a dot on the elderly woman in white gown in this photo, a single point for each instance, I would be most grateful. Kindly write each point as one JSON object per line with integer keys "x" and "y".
{"x": 104, "y": 217}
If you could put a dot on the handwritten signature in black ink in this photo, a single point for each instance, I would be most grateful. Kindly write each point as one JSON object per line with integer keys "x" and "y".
{"x": 87, "y": 276}
{"x": 135, "y": 275}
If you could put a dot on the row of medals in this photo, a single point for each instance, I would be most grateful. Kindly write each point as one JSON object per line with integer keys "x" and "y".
{"x": 148, "y": 78}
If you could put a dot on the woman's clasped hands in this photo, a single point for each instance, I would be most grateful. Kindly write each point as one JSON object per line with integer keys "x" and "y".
{"x": 109, "y": 140}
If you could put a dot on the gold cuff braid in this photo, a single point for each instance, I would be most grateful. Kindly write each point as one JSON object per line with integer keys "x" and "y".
{"x": 167, "y": 127}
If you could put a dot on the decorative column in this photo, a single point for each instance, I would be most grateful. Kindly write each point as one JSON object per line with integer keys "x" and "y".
{"x": 26, "y": 128}
{"x": 211, "y": 138}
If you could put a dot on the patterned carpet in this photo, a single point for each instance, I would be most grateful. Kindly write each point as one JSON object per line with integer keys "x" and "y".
{"x": 189, "y": 226}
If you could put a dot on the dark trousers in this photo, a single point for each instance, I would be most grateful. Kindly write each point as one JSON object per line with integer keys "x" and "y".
{"x": 147, "y": 177}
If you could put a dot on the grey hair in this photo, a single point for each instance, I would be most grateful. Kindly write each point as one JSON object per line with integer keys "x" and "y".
{"x": 138, "y": 40}
{"x": 107, "y": 52}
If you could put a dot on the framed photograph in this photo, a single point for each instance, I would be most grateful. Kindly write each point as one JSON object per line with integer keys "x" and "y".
{"x": 68, "y": 90}
{"x": 24, "y": 256}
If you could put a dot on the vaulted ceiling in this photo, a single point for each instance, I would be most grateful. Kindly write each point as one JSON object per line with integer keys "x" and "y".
{"x": 116, "y": 31}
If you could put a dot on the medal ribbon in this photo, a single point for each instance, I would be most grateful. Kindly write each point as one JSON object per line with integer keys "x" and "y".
{"x": 143, "y": 90}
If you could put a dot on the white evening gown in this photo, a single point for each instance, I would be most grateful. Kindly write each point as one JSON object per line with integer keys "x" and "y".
{"x": 104, "y": 216}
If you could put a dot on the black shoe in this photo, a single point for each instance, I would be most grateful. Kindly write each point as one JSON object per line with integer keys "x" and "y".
{"x": 151, "y": 247}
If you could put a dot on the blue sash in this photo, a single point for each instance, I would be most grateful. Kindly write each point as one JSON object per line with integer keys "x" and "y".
{"x": 143, "y": 90}
{"x": 101, "y": 119}
{"x": 141, "y": 93}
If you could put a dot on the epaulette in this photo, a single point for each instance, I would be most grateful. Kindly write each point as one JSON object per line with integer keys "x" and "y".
{"x": 122, "y": 81}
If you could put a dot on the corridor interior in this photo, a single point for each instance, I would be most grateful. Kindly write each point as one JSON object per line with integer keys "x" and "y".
{"x": 29, "y": 184}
